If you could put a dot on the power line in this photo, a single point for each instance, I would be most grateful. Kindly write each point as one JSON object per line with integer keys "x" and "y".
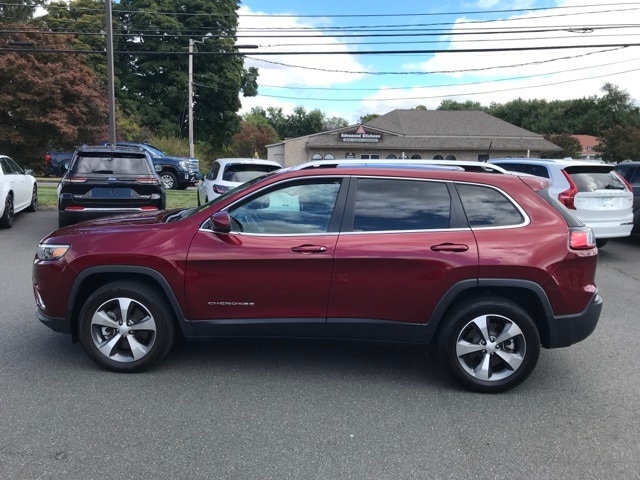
{"x": 467, "y": 70}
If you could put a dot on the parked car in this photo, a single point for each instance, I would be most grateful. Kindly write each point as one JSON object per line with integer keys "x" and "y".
{"x": 631, "y": 173}
{"x": 104, "y": 180}
{"x": 593, "y": 191}
{"x": 175, "y": 172}
{"x": 56, "y": 163}
{"x": 486, "y": 266}
{"x": 228, "y": 173}
{"x": 18, "y": 191}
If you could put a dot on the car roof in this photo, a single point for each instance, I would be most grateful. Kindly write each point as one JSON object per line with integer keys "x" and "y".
{"x": 560, "y": 162}
{"x": 111, "y": 149}
{"x": 256, "y": 161}
{"x": 404, "y": 163}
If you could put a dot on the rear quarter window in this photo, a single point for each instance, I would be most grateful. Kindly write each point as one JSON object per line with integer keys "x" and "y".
{"x": 487, "y": 207}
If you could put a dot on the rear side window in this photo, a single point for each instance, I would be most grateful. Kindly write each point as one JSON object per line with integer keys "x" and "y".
{"x": 245, "y": 173}
{"x": 487, "y": 207}
{"x": 591, "y": 178}
{"x": 112, "y": 165}
{"x": 537, "y": 170}
{"x": 392, "y": 205}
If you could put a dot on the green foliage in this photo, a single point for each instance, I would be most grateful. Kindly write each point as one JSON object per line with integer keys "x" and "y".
{"x": 297, "y": 124}
{"x": 17, "y": 12}
{"x": 454, "y": 105}
{"x": 570, "y": 146}
{"x": 48, "y": 100}
{"x": 252, "y": 139}
{"x": 620, "y": 143}
{"x": 368, "y": 117}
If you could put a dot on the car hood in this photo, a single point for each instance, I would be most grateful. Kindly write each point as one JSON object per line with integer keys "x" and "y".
{"x": 116, "y": 221}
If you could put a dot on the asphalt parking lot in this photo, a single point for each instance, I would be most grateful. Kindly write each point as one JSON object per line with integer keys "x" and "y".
{"x": 303, "y": 410}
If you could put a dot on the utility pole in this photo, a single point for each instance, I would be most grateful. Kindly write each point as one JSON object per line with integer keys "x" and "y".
{"x": 110, "y": 80}
{"x": 190, "y": 97}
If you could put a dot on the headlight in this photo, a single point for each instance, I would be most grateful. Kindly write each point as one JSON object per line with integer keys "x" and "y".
{"x": 51, "y": 252}
{"x": 184, "y": 165}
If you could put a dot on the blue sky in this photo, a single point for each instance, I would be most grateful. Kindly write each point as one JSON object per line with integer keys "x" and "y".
{"x": 352, "y": 84}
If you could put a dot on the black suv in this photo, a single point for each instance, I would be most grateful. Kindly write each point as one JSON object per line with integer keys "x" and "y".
{"x": 106, "y": 180}
{"x": 631, "y": 173}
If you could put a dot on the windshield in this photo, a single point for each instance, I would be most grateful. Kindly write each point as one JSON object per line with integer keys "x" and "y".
{"x": 112, "y": 164}
{"x": 187, "y": 212}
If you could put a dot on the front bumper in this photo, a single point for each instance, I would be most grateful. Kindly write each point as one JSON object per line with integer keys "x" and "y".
{"x": 61, "y": 325}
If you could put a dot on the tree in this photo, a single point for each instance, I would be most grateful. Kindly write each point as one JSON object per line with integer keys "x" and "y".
{"x": 334, "y": 122}
{"x": 619, "y": 143}
{"x": 48, "y": 99}
{"x": 18, "y": 12}
{"x": 454, "y": 105}
{"x": 367, "y": 118}
{"x": 571, "y": 146}
{"x": 252, "y": 139}
{"x": 156, "y": 80}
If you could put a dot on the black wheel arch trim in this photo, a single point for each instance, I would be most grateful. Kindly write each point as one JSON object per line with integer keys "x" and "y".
{"x": 156, "y": 276}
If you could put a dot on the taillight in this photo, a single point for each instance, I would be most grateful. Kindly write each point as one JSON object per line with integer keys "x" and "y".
{"x": 47, "y": 159}
{"x": 147, "y": 180}
{"x": 624, "y": 180}
{"x": 219, "y": 189}
{"x": 568, "y": 196}
{"x": 581, "y": 238}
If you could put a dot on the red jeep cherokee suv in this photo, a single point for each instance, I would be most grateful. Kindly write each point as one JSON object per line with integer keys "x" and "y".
{"x": 487, "y": 266}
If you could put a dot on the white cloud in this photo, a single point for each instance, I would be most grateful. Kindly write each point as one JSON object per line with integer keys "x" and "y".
{"x": 304, "y": 74}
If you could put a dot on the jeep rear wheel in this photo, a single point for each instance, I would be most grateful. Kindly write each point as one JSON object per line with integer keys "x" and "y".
{"x": 490, "y": 344}
{"x": 126, "y": 327}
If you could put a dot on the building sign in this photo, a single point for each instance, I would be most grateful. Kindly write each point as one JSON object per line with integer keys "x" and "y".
{"x": 360, "y": 135}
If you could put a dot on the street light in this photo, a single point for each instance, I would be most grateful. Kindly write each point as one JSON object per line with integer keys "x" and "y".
{"x": 192, "y": 42}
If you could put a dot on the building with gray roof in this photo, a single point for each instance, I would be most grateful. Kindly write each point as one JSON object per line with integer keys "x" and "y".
{"x": 417, "y": 134}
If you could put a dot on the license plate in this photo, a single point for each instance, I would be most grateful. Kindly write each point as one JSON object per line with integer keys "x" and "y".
{"x": 607, "y": 202}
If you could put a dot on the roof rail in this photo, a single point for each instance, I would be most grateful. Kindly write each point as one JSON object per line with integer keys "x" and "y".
{"x": 469, "y": 166}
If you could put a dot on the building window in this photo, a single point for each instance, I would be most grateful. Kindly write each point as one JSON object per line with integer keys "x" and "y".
{"x": 416, "y": 157}
{"x": 370, "y": 156}
{"x": 329, "y": 156}
{"x": 438, "y": 157}
{"x": 450, "y": 157}
{"x": 391, "y": 156}
{"x": 316, "y": 156}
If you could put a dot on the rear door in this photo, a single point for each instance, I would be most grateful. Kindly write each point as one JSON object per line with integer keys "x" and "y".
{"x": 403, "y": 244}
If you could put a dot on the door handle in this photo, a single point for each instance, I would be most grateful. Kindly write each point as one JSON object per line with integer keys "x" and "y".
{"x": 308, "y": 249}
{"x": 450, "y": 247}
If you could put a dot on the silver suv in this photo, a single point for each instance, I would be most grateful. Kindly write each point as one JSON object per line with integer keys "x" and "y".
{"x": 594, "y": 192}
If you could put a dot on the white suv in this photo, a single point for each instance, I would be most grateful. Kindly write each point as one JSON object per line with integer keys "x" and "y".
{"x": 594, "y": 192}
{"x": 228, "y": 173}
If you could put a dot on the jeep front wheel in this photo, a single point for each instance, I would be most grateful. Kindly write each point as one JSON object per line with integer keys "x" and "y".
{"x": 169, "y": 180}
{"x": 490, "y": 344}
{"x": 126, "y": 327}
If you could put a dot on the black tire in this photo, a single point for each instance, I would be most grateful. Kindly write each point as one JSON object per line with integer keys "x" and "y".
{"x": 169, "y": 180}
{"x": 601, "y": 242}
{"x": 510, "y": 350}
{"x": 6, "y": 221}
{"x": 33, "y": 206}
{"x": 126, "y": 345}
{"x": 62, "y": 222}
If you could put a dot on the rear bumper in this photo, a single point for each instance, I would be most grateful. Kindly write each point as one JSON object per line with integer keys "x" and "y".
{"x": 611, "y": 231}
{"x": 570, "y": 329}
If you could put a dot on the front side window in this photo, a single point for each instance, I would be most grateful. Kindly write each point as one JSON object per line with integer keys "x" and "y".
{"x": 292, "y": 209}
{"x": 398, "y": 204}
{"x": 487, "y": 207}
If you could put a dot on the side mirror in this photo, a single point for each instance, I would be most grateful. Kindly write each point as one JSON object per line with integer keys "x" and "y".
{"x": 221, "y": 222}
{"x": 28, "y": 171}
